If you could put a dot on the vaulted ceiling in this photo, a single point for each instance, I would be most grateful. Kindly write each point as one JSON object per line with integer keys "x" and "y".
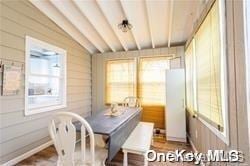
{"x": 94, "y": 23}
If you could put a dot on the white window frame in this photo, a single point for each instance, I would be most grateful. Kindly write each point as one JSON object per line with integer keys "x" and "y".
{"x": 194, "y": 73}
{"x": 246, "y": 8}
{"x": 135, "y": 76}
{"x": 224, "y": 136}
{"x": 29, "y": 41}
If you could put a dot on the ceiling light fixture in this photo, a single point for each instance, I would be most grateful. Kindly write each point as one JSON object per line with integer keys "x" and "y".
{"x": 125, "y": 26}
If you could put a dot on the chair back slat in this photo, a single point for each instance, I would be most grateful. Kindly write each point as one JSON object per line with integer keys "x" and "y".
{"x": 67, "y": 137}
{"x": 53, "y": 135}
{"x": 131, "y": 102}
{"x": 64, "y": 137}
{"x": 83, "y": 144}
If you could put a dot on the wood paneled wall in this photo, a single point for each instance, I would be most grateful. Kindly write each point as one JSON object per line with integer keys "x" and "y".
{"x": 154, "y": 114}
{"x": 19, "y": 133}
{"x": 200, "y": 135}
{"x": 98, "y": 78}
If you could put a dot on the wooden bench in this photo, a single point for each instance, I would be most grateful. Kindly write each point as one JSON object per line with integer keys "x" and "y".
{"x": 138, "y": 142}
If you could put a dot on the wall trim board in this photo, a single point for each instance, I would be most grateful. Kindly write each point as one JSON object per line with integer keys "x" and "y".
{"x": 28, "y": 154}
{"x": 246, "y": 10}
{"x": 193, "y": 147}
{"x": 191, "y": 143}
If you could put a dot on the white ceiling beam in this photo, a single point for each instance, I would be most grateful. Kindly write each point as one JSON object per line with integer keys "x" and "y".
{"x": 133, "y": 33}
{"x": 79, "y": 5}
{"x": 77, "y": 21}
{"x": 170, "y": 21}
{"x": 149, "y": 24}
{"x": 112, "y": 26}
{"x": 54, "y": 15}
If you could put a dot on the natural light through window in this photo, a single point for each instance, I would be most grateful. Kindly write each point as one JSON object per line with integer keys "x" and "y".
{"x": 206, "y": 73}
{"x": 151, "y": 87}
{"x": 120, "y": 80}
{"x": 45, "y": 75}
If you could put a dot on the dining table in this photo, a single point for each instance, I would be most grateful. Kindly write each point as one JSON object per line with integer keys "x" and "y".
{"x": 116, "y": 128}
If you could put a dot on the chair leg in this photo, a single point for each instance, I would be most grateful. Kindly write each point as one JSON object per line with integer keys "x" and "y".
{"x": 125, "y": 158}
{"x": 104, "y": 162}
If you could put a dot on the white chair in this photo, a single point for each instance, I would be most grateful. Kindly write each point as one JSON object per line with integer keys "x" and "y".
{"x": 131, "y": 102}
{"x": 70, "y": 153}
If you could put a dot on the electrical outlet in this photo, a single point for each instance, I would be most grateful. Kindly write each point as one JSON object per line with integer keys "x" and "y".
{"x": 196, "y": 134}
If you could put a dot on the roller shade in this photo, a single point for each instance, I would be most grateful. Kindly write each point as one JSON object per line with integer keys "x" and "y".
{"x": 120, "y": 80}
{"x": 151, "y": 86}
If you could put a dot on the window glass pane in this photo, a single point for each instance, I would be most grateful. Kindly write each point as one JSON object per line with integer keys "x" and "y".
{"x": 43, "y": 91}
{"x": 45, "y": 63}
{"x": 208, "y": 52}
{"x": 190, "y": 80}
{"x": 120, "y": 81}
{"x": 45, "y": 76}
{"x": 152, "y": 80}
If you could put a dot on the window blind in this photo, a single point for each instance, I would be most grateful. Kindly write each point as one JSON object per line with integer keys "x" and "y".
{"x": 120, "y": 80}
{"x": 207, "y": 50}
{"x": 151, "y": 85}
{"x": 190, "y": 77}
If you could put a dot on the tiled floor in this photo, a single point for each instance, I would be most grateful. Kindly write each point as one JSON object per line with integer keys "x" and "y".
{"x": 48, "y": 156}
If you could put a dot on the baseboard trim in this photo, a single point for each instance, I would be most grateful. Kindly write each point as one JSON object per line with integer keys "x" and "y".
{"x": 176, "y": 139}
{"x": 28, "y": 154}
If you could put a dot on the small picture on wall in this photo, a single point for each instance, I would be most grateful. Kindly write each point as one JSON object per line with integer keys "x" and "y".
{"x": 11, "y": 80}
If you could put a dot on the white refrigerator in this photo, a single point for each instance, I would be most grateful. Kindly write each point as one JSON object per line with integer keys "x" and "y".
{"x": 175, "y": 116}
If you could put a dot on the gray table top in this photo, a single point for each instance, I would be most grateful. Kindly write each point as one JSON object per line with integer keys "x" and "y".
{"x": 105, "y": 125}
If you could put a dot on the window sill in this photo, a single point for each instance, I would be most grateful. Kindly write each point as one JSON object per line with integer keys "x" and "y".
{"x": 223, "y": 136}
{"x": 43, "y": 109}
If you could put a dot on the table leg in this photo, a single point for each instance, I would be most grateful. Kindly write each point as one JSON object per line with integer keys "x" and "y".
{"x": 99, "y": 140}
{"x": 145, "y": 160}
{"x": 125, "y": 158}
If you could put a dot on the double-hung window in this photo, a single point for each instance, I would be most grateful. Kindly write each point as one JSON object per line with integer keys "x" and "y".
{"x": 190, "y": 65}
{"x": 120, "y": 79}
{"x": 206, "y": 72}
{"x": 146, "y": 80}
{"x": 151, "y": 85}
{"x": 45, "y": 77}
{"x": 141, "y": 77}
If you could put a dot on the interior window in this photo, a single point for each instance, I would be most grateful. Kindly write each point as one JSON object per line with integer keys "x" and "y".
{"x": 120, "y": 80}
{"x": 45, "y": 77}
